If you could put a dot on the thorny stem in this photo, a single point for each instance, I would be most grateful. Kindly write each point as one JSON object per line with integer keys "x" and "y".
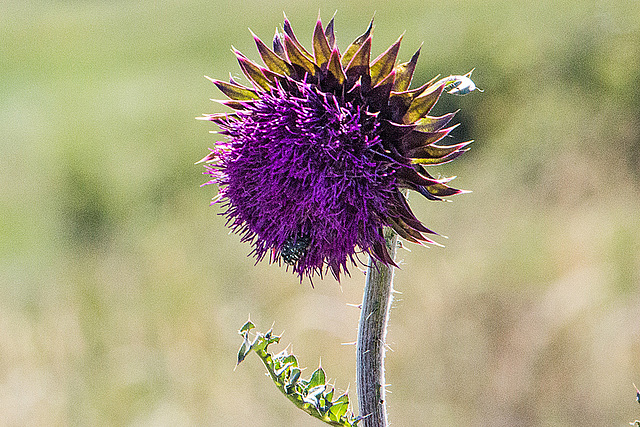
{"x": 371, "y": 338}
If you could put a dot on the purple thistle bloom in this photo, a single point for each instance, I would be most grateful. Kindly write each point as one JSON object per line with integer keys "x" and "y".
{"x": 318, "y": 151}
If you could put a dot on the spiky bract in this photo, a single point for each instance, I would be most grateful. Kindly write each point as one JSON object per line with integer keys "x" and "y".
{"x": 319, "y": 148}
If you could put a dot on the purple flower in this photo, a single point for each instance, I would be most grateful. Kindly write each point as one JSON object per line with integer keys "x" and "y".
{"x": 320, "y": 147}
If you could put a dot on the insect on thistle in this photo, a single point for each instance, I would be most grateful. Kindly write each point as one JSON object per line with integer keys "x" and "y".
{"x": 461, "y": 85}
{"x": 294, "y": 248}
{"x": 316, "y": 108}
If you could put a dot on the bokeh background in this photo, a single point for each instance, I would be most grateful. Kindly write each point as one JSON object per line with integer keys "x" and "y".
{"x": 121, "y": 291}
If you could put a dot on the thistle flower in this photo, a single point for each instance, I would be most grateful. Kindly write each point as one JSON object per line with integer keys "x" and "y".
{"x": 320, "y": 148}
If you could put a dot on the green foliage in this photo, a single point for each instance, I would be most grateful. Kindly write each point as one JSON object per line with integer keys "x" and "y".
{"x": 313, "y": 395}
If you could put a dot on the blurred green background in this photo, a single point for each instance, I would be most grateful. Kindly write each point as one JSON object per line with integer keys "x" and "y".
{"x": 121, "y": 291}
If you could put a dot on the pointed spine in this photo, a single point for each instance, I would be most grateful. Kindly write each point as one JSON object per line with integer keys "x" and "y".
{"x": 235, "y": 91}
{"x": 297, "y": 58}
{"x": 404, "y": 73}
{"x": 359, "y": 64}
{"x": 355, "y": 46}
{"x": 321, "y": 47}
{"x": 273, "y": 61}
{"x": 253, "y": 72}
{"x": 288, "y": 31}
{"x": 417, "y": 140}
{"x": 421, "y": 105}
{"x": 383, "y": 64}
{"x": 335, "y": 67}
{"x": 329, "y": 33}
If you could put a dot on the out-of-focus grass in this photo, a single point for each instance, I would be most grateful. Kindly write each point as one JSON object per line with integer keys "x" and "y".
{"x": 120, "y": 290}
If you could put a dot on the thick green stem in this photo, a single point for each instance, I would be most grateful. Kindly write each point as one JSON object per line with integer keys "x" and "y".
{"x": 371, "y": 338}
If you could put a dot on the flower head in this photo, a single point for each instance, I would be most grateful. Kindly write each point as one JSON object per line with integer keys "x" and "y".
{"x": 320, "y": 147}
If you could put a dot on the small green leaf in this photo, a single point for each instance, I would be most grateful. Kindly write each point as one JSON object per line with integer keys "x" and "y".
{"x": 294, "y": 376}
{"x": 245, "y": 349}
{"x": 339, "y": 407}
{"x": 291, "y": 358}
{"x": 329, "y": 395}
{"x": 317, "y": 378}
{"x": 247, "y": 326}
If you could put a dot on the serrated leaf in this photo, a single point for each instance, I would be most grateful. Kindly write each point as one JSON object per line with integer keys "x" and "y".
{"x": 313, "y": 395}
